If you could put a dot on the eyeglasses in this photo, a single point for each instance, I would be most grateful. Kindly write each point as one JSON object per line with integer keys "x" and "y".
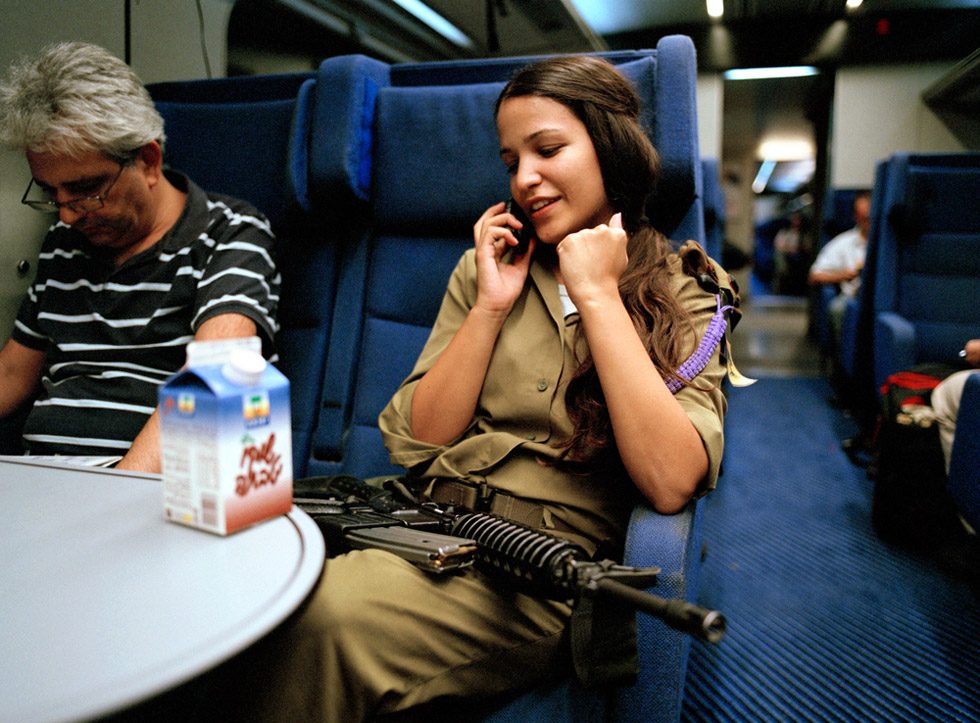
{"x": 77, "y": 205}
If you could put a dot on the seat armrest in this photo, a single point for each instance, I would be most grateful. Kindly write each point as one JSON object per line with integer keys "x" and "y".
{"x": 964, "y": 461}
{"x": 848, "y": 352}
{"x": 672, "y": 543}
{"x": 894, "y": 345}
{"x": 824, "y": 297}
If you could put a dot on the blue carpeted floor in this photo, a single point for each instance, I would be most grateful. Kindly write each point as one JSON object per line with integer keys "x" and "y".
{"x": 825, "y": 621}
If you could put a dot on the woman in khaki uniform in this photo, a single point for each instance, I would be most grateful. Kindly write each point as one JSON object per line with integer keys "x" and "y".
{"x": 543, "y": 387}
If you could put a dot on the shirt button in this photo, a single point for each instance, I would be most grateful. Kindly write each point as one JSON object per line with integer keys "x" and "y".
{"x": 542, "y": 384}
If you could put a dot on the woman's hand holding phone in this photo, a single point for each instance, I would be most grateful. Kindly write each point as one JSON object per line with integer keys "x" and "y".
{"x": 446, "y": 396}
{"x": 501, "y": 271}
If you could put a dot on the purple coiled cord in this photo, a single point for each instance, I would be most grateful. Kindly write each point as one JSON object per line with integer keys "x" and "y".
{"x": 696, "y": 363}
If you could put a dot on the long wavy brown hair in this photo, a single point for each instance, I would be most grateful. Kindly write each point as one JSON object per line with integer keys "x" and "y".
{"x": 608, "y": 105}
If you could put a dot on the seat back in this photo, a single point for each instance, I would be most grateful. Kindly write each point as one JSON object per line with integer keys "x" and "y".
{"x": 926, "y": 295}
{"x": 341, "y": 154}
{"x": 854, "y": 354}
{"x": 247, "y": 137}
{"x": 221, "y": 131}
{"x": 920, "y": 269}
{"x": 423, "y": 208}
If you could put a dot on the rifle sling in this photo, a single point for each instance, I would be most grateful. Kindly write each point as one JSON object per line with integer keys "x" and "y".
{"x": 603, "y": 641}
{"x": 483, "y": 498}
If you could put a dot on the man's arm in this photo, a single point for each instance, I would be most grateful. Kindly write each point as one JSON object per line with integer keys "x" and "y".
{"x": 20, "y": 372}
{"x": 144, "y": 454}
{"x": 832, "y": 277}
{"x": 972, "y": 352}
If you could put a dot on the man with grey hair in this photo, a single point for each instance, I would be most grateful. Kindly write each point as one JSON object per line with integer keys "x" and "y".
{"x": 140, "y": 261}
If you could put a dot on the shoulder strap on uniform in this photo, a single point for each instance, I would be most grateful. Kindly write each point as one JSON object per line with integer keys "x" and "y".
{"x": 695, "y": 263}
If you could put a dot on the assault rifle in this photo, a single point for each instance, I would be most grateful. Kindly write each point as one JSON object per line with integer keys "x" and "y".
{"x": 355, "y": 515}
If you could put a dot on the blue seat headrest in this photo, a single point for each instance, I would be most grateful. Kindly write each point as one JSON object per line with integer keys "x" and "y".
{"x": 342, "y": 136}
{"x": 221, "y": 130}
{"x": 220, "y": 146}
{"x": 437, "y": 165}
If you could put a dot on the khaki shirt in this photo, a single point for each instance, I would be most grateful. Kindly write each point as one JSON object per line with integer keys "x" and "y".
{"x": 521, "y": 412}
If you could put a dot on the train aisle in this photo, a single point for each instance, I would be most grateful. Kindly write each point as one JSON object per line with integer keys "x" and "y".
{"x": 826, "y": 622}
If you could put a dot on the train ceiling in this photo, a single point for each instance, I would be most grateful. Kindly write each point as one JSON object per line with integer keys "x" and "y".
{"x": 750, "y": 33}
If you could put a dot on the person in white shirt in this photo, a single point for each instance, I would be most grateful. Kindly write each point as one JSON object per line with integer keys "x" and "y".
{"x": 840, "y": 262}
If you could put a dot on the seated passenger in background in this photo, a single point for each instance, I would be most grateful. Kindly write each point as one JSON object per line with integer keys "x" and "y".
{"x": 840, "y": 262}
{"x": 544, "y": 382}
{"x": 140, "y": 262}
{"x": 945, "y": 399}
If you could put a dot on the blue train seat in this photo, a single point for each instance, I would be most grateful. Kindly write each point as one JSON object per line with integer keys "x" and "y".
{"x": 926, "y": 295}
{"x": 248, "y": 137}
{"x": 410, "y": 151}
{"x": 854, "y": 353}
{"x": 919, "y": 293}
{"x": 221, "y": 131}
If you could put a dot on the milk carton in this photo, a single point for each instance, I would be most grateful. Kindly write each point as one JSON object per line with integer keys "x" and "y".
{"x": 225, "y": 439}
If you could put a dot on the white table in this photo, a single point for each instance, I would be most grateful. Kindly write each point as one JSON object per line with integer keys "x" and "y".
{"x": 104, "y": 604}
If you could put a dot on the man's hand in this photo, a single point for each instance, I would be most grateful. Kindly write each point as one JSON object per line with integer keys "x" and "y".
{"x": 972, "y": 350}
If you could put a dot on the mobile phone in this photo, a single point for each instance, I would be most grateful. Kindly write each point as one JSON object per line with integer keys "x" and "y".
{"x": 524, "y": 233}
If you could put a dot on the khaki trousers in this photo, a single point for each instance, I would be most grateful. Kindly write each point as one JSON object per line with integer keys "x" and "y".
{"x": 380, "y": 636}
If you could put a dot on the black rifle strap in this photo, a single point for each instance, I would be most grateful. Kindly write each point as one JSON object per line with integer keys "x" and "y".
{"x": 603, "y": 639}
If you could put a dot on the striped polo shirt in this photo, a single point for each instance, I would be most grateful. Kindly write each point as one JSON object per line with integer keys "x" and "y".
{"x": 112, "y": 335}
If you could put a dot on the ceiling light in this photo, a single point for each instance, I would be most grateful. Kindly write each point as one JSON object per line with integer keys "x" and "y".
{"x": 793, "y": 71}
{"x": 716, "y": 8}
{"x": 436, "y": 21}
{"x": 854, "y": 4}
{"x": 785, "y": 149}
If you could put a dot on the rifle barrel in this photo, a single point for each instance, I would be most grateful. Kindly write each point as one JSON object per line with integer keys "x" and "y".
{"x": 707, "y": 625}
